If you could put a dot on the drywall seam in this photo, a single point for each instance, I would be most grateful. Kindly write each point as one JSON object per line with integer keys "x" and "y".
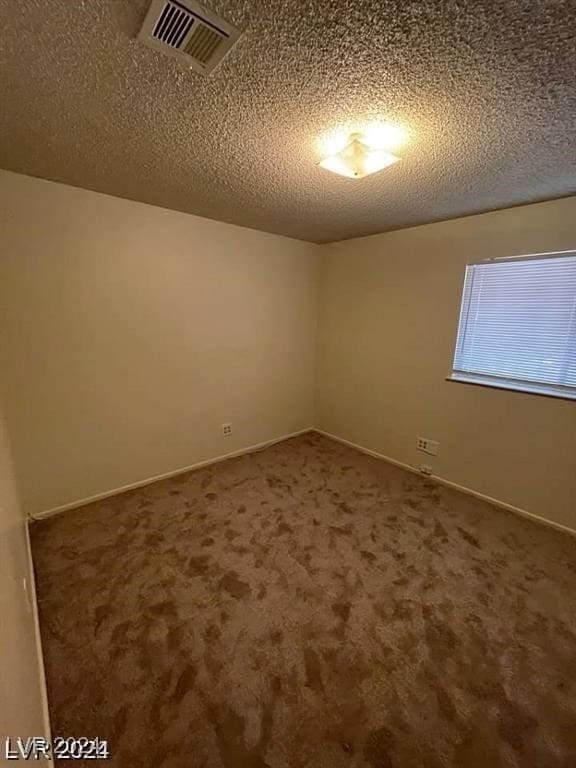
{"x": 166, "y": 475}
{"x": 450, "y": 484}
{"x": 38, "y": 639}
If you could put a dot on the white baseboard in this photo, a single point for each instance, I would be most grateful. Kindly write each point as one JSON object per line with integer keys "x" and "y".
{"x": 166, "y": 475}
{"x": 451, "y": 484}
{"x": 38, "y": 639}
{"x": 267, "y": 443}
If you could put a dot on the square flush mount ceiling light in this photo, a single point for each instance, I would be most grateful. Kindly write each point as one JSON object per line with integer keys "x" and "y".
{"x": 358, "y": 159}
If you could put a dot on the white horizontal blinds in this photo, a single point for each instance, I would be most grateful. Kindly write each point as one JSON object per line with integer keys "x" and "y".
{"x": 518, "y": 321}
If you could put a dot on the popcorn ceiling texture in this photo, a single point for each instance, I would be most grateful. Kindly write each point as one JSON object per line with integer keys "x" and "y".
{"x": 486, "y": 88}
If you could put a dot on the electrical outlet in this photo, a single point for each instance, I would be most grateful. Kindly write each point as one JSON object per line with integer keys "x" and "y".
{"x": 426, "y": 469}
{"x": 226, "y": 430}
{"x": 428, "y": 446}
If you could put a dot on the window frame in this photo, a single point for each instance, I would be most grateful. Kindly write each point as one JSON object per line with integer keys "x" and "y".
{"x": 558, "y": 391}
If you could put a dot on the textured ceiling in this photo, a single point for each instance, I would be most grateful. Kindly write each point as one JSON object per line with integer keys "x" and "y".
{"x": 486, "y": 88}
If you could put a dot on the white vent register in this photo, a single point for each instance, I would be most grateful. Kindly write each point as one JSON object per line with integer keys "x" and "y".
{"x": 188, "y": 32}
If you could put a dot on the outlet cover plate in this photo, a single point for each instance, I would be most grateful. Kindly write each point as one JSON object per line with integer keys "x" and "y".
{"x": 428, "y": 446}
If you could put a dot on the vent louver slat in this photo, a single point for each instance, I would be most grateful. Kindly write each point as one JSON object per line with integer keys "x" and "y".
{"x": 187, "y": 31}
{"x": 185, "y": 25}
{"x": 203, "y": 43}
{"x": 184, "y": 31}
{"x": 165, "y": 16}
{"x": 173, "y": 32}
{"x": 173, "y": 25}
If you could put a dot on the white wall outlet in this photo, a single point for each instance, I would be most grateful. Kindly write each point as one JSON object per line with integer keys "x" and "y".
{"x": 426, "y": 469}
{"x": 226, "y": 430}
{"x": 428, "y": 446}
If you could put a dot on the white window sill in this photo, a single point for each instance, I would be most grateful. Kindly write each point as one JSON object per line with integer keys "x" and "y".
{"x": 513, "y": 386}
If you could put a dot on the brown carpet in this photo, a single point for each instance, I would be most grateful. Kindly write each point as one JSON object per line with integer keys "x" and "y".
{"x": 309, "y": 606}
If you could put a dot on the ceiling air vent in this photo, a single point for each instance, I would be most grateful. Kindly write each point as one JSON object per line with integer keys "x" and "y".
{"x": 188, "y": 32}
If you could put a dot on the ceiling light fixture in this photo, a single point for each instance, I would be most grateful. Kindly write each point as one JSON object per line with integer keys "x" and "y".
{"x": 358, "y": 158}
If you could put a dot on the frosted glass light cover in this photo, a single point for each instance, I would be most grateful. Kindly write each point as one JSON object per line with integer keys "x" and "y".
{"x": 357, "y": 160}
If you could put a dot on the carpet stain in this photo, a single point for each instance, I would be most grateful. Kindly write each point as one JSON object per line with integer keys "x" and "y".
{"x": 378, "y": 748}
{"x": 469, "y": 538}
{"x": 185, "y": 683}
{"x": 342, "y": 610}
{"x": 439, "y": 531}
{"x": 284, "y": 528}
{"x": 440, "y": 637}
{"x": 198, "y": 566}
{"x": 514, "y": 723}
{"x": 313, "y": 670}
{"x": 235, "y": 587}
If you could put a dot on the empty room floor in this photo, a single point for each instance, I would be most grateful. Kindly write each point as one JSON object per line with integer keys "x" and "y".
{"x": 308, "y": 605}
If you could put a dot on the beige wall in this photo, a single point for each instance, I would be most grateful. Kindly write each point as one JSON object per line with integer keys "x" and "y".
{"x": 131, "y": 333}
{"x": 20, "y": 696}
{"x": 388, "y": 320}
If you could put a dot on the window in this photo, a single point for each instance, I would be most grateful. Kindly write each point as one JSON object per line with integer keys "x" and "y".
{"x": 517, "y": 326}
